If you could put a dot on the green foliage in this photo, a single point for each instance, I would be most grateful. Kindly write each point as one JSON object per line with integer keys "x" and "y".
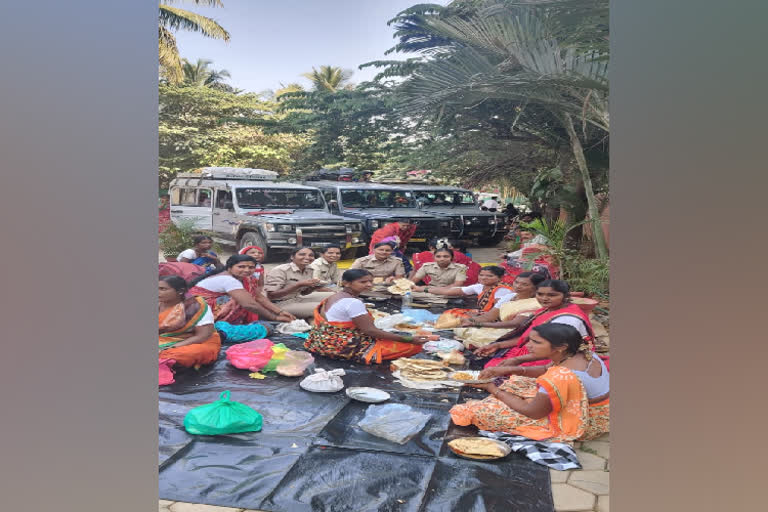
{"x": 199, "y": 126}
{"x": 178, "y": 237}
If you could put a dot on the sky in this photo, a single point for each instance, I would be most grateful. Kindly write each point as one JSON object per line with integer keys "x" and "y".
{"x": 275, "y": 41}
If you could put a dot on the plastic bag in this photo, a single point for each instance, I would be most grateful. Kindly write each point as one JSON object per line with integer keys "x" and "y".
{"x": 165, "y": 372}
{"x": 389, "y": 322}
{"x": 394, "y": 422}
{"x": 323, "y": 381}
{"x": 222, "y": 417}
{"x": 297, "y": 325}
{"x": 253, "y": 355}
{"x": 295, "y": 363}
{"x": 421, "y": 316}
{"x": 278, "y": 353}
{"x": 231, "y": 333}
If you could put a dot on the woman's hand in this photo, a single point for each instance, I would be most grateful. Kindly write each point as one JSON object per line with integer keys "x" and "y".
{"x": 418, "y": 288}
{"x": 510, "y": 362}
{"x": 487, "y": 350}
{"x": 420, "y": 340}
{"x": 470, "y": 322}
{"x": 310, "y": 282}
{"x": 489, "y": 387}
{"x": 389, "y": 279}
{"x": 284, "y": 317}
{"x": 493, "y": 372}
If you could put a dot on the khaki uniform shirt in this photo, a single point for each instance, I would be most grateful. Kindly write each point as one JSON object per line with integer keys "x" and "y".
{"x": 284, "y": 275}
{"x": 441, "y": 276}
{"x": 390, "y": 267}
{"x": 327, "y": 273}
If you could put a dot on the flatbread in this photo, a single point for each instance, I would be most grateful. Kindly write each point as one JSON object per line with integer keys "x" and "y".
{"x": 475, "y": 446}
{"x": 420, "y": 370}
{"x": 400, "y": 287}
{"x": 447, "y": 321}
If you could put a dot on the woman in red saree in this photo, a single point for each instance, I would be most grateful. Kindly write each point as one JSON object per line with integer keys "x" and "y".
{"x": 186, "y": 332}
{"x": 420, "y": 258}
{"x": 344, "y": 328}
{"x": 228, "y": 292}
{"x": 565, "y": 401}
{"x": 553, "y": 295}
{"x": 402, "y": 230}
{"x": 255, "y": 283}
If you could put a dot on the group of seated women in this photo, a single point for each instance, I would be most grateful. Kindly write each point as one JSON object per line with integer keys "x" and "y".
{"x": 554, "y": 386}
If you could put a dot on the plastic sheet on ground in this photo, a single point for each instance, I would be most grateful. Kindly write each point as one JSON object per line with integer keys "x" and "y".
{"x": 311, "y": 456}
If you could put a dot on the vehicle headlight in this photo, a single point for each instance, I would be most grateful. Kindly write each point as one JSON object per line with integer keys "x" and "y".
{"x": 491, "y": 221}
{"x": 355, "y": 240}
{"x": 286, "y": 228}
{"x": 349, "y": 228}
{"x": 468, "y": 222}
{"x": 374, "y": 224}
{"x": 269, "y": 227}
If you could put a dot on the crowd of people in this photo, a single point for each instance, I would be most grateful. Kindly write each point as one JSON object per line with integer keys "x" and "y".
{"x": 549, "y": 383}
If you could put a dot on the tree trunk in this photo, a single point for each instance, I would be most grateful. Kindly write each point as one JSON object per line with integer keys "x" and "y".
{"x": 592, "y": 211}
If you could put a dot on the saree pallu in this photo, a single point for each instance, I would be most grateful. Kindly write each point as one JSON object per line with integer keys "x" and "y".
{"x": 572, "y": 417}
{"x": 225, "y": 309}
{"x": 542, "y": 316}
{"x": 485, "y": 302}
{"x": 177, "y": 324}
{"x": 342, "y": 340}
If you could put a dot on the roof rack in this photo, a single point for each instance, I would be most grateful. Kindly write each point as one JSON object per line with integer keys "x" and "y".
{"x": 230, "y": 173}
{"x": 404, "y": 181}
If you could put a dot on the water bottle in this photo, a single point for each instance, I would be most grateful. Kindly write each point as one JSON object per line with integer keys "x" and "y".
{"x": 407, "y": 300}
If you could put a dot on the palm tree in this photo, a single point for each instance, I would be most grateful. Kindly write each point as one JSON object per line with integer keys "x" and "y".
{"x": 200, "y": 74}
{"x": 516, "y": 53}
{"x": 173, "y": 18}
{"x": 329, "y": 78}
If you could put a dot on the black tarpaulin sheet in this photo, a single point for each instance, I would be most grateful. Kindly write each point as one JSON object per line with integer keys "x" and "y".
{"x": 311, "y": 456}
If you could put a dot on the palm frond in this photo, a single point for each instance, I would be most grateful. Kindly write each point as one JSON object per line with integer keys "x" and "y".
{"x": 175, "y": 19}
{"x": 170, "y": 64}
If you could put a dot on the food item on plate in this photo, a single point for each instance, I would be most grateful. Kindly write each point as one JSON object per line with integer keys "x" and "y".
{"x": 477, "y": 446}
{"x": 419, "y": 369}
{"x": 447, "y": 321}
{"x": 378, "y": 280}
{"x": 462, "y": 376}
{"x": 452, "y": 357}
{"x": 400, "y": 287}
{"x": 406, "y": 327}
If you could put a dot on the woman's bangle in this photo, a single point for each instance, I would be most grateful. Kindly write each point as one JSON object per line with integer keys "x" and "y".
{"x": 408, "y": 337}
{"x": 426, "y": 289}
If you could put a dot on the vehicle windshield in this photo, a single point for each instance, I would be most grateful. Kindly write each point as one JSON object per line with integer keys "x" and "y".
{"x": 377, "y": 199}
{"x": 251, "y": 198}
{"x": 446, "y": 198}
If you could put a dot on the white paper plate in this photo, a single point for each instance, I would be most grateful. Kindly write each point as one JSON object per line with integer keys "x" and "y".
{"x": 443, "y": 345}
{"x": 368, "y": 395}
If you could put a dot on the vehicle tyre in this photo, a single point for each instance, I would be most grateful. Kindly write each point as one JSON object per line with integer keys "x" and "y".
{"x": 491, "y": 241}
{"x": 253, "y": 238}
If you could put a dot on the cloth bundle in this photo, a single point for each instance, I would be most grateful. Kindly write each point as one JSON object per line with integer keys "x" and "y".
{"x": 558, "y": 456}
{"x": 231, "y": 333}
{"x": 323, "y": 381}
{"x": 293, "y": 327}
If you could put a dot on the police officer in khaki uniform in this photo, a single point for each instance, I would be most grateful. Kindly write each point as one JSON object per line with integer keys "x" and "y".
{"x": 443, "y": 271}
{"x": 381, "y": 263}
{"x": 292, "y": 288}
{"x": 324, "y": 268}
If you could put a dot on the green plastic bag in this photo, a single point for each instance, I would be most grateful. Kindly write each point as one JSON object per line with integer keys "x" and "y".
{"x": 222, "y": 417}
{"x": 278, "y": 352}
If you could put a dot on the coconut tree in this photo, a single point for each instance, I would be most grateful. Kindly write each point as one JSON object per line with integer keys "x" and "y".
{"x": 521, "y": 53}
{"x": 200, "y": 73}
{"x": 328, "y": 78}
{"x": 173, "y": 18}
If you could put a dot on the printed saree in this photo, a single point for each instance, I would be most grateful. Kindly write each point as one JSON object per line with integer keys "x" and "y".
{"x": 177, "y": 324}
{"x": 485, "y": 302}
{"x": 226, "y": 309}
{"x": 572, "y": 417}
{"x": 343, "y": 340}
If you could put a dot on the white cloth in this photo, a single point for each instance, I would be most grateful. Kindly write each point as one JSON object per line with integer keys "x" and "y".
{"x": 504, "y": 299}
{"x": 220, "y": 283}
{"x": 344, "y": 310}
{"x": 571, "y": 320}
{"x": 207, "y": 318}
{"x": 477, "y": 289}
{"x": 189, "y": 254}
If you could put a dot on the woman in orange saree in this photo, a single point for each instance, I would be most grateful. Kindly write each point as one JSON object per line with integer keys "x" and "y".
{"x": 565, "y": 401}
{"x": 489, "y": 289}
{"x": 344, "y": 328}
{"x": 186, "y": 332}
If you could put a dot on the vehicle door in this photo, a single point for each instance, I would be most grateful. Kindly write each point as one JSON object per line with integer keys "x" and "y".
{"x": 194, "y": 205}
{"x": 225, "y": 220}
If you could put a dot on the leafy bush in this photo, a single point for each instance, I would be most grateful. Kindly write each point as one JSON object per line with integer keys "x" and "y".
{"x": 178, "y": 237}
